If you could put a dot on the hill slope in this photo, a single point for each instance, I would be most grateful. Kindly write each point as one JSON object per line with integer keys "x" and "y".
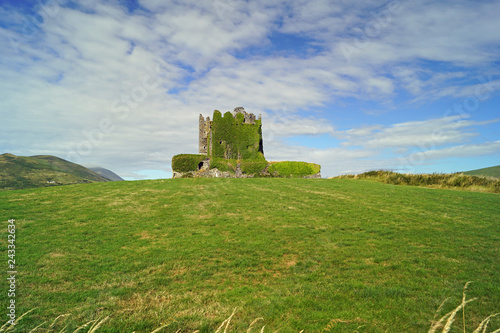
{"x": 302, "y": 254}
{"x": 487, "y": 172}
{"x": 108, "y": 174}
{"x": 18, "y": 172}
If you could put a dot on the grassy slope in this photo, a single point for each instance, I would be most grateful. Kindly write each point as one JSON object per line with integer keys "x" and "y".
{"x": 488, "y": 172}
{"x": 296, "y": 252}
{"x": 17, "y": 172}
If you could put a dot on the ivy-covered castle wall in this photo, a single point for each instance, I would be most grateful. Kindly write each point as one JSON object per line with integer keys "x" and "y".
{"x": 236, "y": 135}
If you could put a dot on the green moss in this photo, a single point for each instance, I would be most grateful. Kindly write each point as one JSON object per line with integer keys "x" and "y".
{"x": 294, "y": 169}
{"x": 186, "y": 162}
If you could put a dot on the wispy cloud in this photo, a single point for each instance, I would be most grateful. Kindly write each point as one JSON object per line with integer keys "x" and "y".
{"x": 462, "y": 151}
{"x": 427, "y": 133}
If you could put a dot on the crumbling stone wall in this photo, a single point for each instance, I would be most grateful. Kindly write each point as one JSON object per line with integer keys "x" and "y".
{"x": 204, "y": 143}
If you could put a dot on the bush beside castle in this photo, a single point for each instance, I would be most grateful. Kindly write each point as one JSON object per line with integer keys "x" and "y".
{"x": 231, "y": 146}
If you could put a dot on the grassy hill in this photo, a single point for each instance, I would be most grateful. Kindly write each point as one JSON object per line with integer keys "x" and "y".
{"x": 486, "y": 172}
{"x": 338, "y": 255}
{"x": 18, "y": 172}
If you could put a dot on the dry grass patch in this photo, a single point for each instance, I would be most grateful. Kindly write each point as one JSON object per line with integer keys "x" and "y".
{"x": 140, "y": 303}
{"x": 146, "y": 235}
{"x": 289, "y": 260}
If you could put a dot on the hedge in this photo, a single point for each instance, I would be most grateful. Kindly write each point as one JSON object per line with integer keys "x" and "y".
{"x": 293, "y": 169}
{"x": 186, "y": 162}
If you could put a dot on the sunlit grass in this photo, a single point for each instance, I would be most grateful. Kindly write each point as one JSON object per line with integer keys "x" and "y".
{"x": 301, "y": 254}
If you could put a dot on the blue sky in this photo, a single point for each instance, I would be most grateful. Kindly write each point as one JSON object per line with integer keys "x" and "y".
{"x": 352, "y": 85}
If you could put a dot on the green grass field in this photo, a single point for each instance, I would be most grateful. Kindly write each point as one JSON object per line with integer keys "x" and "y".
{"x": 337, "y": 255}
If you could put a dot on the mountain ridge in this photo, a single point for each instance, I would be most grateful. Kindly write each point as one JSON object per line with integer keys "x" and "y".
{"x": 20, "y": 172}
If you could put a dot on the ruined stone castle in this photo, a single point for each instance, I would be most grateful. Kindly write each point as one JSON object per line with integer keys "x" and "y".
{"x": 231, "y": 146}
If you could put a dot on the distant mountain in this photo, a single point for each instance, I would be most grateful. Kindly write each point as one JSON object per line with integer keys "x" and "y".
{"x": 18, "y": 172}
{"x": 108, "y": 174}
{"x": 488, "y": 172}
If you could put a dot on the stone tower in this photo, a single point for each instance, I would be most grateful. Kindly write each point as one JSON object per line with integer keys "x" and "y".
{"x": 205, "y": 140}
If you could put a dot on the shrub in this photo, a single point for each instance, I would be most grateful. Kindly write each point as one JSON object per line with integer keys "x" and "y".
{"x": 186, "y": 162}
{"x": 294, "y": 169}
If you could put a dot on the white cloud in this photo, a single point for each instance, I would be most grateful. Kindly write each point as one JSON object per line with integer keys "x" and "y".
{"x": 462, "y": 151}
{"x": 282, "y": 124}
{"x": 427, "y": 133}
